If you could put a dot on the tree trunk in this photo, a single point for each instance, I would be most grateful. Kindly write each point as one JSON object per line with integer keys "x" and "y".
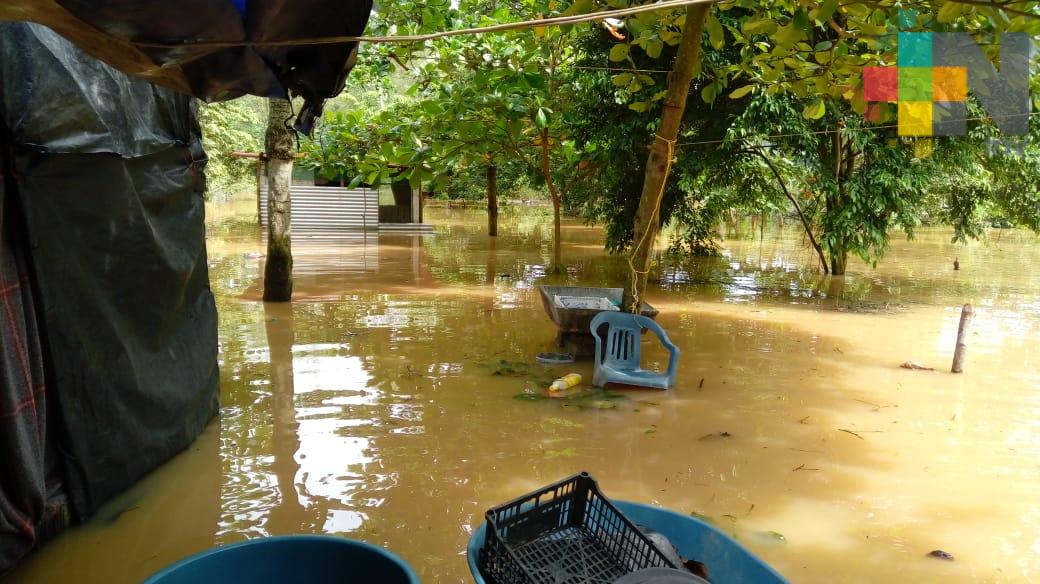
{"x": 660, "y": 160}
{"x": 492, "y": 194}
{"x": 280, "y": 150}
{"x": 557, "y": 266}
{"x": 839, "y": 258}
{"x": 843, "y": 159}
{"x": 557, "y": 263}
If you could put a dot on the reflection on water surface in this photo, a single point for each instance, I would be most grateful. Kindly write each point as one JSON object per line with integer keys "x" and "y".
{"x": 375, "y": 406}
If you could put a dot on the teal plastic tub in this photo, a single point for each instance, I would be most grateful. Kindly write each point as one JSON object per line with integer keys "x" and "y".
{"x": 727, "y": 561}
{"x": 292, "y": 558}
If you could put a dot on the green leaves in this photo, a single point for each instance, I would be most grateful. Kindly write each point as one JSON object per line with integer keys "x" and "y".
{"x": 579, "y": 7}
{"x": 814, "y": 110}
{"x": 759, "y": 26}
{"x": 653, "y": 48}
{"x": 788, "y": 35}
{"x": 742, "y": 91}
{"x": 709, "y": 92}
{"x": 950, "y": 11}
{"x": 716, "y": 34}
{"x": 541, "y": 119}
{"x": 619, "y": 52}
{"x": 535, "y": 81}
{"x": 623, "y": 79}
{"x": 825, "y": 11}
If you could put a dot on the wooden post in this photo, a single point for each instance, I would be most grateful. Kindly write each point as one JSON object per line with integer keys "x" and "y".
{"x": 962, "y": 346}
{"x": 416, "y": 210}
{"x": 492, "y": 195}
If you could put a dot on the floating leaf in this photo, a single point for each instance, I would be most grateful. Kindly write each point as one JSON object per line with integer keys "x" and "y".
{"x": 565, "y": 423}
{"x": 770, "y": 537}
{"x": 702, "y": 517}
{"x": 564, "y": 452}
{"x": 941, "y": 555}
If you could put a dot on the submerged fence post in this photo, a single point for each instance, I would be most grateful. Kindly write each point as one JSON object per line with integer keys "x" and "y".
{"x": 962, "y": 347}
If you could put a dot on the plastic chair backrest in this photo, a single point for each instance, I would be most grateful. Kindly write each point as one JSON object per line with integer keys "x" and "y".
{"x": 622, "y": 349}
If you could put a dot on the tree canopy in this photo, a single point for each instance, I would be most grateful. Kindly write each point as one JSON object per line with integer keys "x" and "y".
{"x": 774, "y": 123}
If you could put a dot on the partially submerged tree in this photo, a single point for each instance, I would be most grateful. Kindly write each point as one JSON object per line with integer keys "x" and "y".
{"x": 647, "y": 220}
{"x": 280, "y": 149}
{"x": 486, "y": 102}
{"x": 483, "y": 101}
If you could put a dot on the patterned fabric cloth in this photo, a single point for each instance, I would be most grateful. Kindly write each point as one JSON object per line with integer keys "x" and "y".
{"x": 27, "y": 513}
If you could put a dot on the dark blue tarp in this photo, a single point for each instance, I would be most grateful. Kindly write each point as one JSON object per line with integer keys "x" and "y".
{"x": 107, "y": 172}
{"x": 32, "y": 505}
{"x": 314, "y": 72}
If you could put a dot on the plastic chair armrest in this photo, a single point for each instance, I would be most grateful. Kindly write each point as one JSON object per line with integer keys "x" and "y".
{"x": 673, "y": 362}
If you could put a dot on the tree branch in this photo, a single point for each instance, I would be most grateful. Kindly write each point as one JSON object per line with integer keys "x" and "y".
{"x": 797, "y": 207}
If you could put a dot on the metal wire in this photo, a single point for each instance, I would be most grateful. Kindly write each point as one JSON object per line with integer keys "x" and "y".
{"x": 418, "y": 38}
{"x": 820, "y": 132}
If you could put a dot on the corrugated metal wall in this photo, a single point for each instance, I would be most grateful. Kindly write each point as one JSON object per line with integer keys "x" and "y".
{"x": 328, "y": 208}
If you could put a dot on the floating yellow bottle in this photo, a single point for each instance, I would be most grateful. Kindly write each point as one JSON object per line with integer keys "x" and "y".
{"x": 566, "y": 382}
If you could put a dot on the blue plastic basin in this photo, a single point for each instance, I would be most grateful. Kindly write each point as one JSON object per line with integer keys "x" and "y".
{"x": 292, "y": 558}
{"x": 727, "y": 561}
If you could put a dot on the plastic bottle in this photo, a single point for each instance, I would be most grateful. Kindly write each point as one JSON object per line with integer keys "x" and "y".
{"x": 566, "y": 382}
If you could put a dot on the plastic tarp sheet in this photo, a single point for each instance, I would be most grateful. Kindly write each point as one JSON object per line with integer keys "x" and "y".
{"x": 108, "y": 173}
{"x": 120, "y": 32}
{"x": 32, "y": 505}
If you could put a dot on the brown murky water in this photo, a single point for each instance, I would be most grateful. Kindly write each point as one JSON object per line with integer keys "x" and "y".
{"x": 371, "y": 407}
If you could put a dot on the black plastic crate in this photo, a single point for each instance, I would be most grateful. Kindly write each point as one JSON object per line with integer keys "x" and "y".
{"x": 565, "y": 533}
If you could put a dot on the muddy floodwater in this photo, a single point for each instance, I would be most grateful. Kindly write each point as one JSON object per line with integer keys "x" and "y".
{"x": 382, "y": 404}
